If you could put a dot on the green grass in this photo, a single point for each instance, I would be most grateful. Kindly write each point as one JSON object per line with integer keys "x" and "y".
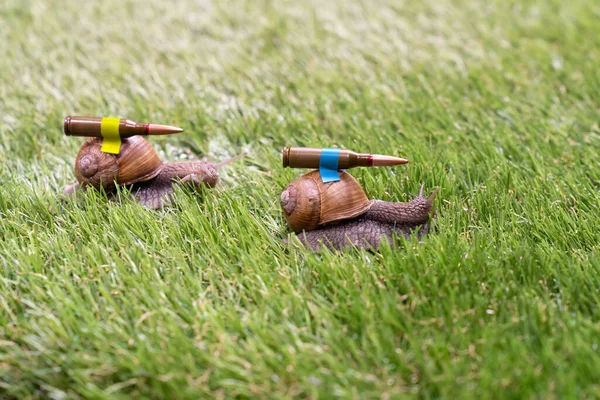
{"x": 496, "y": 102}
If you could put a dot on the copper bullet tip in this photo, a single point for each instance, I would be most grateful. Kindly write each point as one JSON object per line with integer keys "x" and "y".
{"x": 155, "y": 129}
{"x": 386, "y": 161}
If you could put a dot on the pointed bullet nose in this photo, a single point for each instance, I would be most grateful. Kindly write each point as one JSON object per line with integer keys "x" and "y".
{"x": 155, "y": 129}
{"x": 387, "y": 161}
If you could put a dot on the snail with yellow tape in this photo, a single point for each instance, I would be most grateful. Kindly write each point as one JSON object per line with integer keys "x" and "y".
{"x": 134, "y": 163}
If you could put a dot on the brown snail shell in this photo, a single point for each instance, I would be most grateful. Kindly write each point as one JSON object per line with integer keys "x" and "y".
{"x": 136, "y": 162}
{"x": 307, "y": 202}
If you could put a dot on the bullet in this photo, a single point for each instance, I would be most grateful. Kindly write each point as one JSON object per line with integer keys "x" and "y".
{"x": 94, "y": 126}
{"x": 304, "y": 157}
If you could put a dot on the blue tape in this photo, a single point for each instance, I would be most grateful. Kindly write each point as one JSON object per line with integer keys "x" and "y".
{"x": 328, "y": 165}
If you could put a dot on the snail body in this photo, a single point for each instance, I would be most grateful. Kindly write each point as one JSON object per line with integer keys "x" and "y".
{"x": 364, "y": 223}
{"x": 138, "y": 167}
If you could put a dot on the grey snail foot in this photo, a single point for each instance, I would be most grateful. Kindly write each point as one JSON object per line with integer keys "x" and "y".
{"x": 149, "y": 195}
{"x": 157, "y": 192}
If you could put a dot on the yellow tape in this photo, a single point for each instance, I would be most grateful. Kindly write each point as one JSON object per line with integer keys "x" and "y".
{"x": 109, "y": 129}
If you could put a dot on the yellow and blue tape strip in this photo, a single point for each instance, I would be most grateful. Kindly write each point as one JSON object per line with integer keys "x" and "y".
{"x": 109, "y": 129}
{"x": 328, "y": 165}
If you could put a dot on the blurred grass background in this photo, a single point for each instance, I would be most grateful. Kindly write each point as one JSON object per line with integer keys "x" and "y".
{"x": 496, "y": 102}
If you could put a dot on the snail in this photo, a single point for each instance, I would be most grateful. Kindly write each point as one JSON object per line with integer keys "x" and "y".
{"x": 138, "y": 166}
{"x": 339, "y": 214}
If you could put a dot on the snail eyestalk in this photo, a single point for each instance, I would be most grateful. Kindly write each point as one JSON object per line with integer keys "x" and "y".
{"x": 230, "y": 160}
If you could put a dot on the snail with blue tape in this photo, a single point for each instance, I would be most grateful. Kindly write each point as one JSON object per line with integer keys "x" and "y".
{"x": 328, "y": 165}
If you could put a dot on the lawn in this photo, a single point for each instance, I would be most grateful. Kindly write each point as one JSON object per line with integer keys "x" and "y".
{"x": 495, "y": 102}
